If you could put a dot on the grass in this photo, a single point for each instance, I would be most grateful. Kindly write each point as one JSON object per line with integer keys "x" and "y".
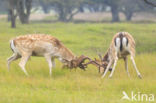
{"x": 77, "y": 86}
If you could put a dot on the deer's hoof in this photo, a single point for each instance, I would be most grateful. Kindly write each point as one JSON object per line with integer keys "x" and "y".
{"x": 110, "y": 77}
{"x": 140, "y": 76}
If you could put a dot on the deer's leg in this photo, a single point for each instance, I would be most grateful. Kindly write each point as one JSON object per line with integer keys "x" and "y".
{"x": 48, "y": 58}
{"x": 117, "y": 49}
{"x": 109, "y": 65}
{"x": 138, "y": 73}
{"x": 53, "y": 62}
{"x": 23, "y": 62}
{"x": 115, "y": 62}
{"x": 126, "y": 66}
{"x": 12, "y": 58}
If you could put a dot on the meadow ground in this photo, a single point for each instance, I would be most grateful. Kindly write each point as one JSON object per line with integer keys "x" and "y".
{"x": 78, "y": 86}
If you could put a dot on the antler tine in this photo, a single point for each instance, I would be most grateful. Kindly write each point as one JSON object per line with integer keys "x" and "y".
{"x": 81, "y": 59}
{"x": 92, "y": 62}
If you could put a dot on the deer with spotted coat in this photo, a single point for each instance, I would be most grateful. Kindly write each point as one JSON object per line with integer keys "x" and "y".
{"x": 43, "y": 45}
{"x": 121, "y": 46}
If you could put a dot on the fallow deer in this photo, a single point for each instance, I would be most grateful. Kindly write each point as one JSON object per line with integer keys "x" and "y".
{"x": 43, "y": 45}
{"x": 121, "y": 46}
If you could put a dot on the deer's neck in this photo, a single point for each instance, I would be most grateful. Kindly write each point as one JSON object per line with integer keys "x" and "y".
{"x": 106, "y": 57}
{"x": 66, "y": 54}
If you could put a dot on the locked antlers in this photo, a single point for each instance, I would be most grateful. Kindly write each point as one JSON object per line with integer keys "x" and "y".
{"x": 78, "y": 62}
{"x": 100, "y": 63}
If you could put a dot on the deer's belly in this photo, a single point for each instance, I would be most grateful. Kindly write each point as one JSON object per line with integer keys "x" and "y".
{"x": 123, "y": 54}
{"x": 42, "y": 51}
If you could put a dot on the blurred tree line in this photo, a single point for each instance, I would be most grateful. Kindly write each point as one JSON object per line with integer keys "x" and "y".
{"x": 66, "y": 9}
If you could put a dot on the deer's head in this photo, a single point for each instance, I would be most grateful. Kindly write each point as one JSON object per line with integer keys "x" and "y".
{"x": 77, "y": 62}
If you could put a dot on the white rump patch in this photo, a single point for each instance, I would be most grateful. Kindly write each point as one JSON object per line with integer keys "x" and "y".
{"x": 117, "y": 41}
{"x": 12, "y": 45}
{"x": 124, "y": 42}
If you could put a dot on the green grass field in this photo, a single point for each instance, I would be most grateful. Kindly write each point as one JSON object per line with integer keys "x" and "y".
{"x": 78, "y": 86}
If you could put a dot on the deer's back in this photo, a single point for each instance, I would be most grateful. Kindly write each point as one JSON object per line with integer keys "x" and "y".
{"x": 37, "y": 43}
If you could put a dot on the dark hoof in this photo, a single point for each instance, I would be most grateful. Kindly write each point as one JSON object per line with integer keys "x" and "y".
{"x": 140, "y": 76}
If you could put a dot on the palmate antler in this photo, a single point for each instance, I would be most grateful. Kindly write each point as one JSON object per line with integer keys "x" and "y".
{"x": 81, "y": 60}
{"x": 94, "y": 63}
{"x": 91, "y": 62}
{"x": 77, "y": 62}
{"x": 99, "y": 63}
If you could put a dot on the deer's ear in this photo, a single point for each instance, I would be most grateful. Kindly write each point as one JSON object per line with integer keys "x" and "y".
{"x": 69, "y": 63}
{"x": 74, "y": 63}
